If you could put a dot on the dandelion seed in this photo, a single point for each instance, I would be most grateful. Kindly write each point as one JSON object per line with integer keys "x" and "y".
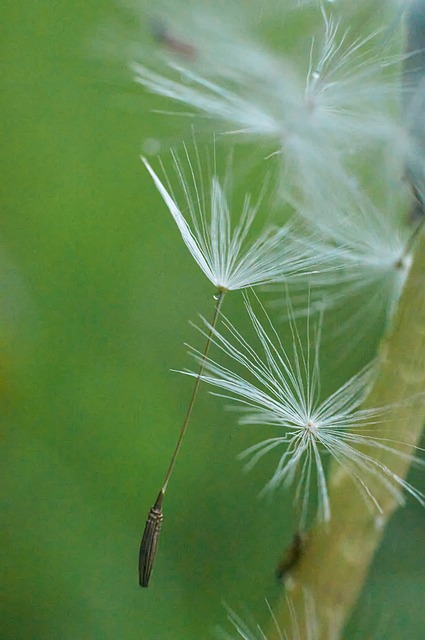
{"x": 222, "y": 249}
{"x": 344, "y": 101}
{"x": 230, "y": 261}
{"x": 344, "y": 87}
{"x": 369, "y": 248}
{"x": 149, "y": 542}
{"x": 285, "y": 394}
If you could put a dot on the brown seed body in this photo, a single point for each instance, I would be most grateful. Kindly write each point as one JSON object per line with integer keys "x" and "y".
{"x": 149, "y": 543}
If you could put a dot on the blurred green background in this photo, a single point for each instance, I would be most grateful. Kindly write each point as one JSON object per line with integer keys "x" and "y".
{"x": 96, "y": 293}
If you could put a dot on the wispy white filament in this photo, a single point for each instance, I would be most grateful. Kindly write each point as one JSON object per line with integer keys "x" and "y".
{"x": 219, "y": 240}
{"x": 369, "y": 244}
{"x": 250, "y": 631}
{"x": 336, "y": 96}
{"x": 284, "y": 393}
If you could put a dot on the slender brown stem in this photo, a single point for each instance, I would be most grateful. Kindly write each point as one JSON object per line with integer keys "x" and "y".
{"x": 218, "y": 303}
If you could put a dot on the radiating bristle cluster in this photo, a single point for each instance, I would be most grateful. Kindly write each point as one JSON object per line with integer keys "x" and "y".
{"x": 283, "y": 391}
{"x": 249, "y": 630}
{"x": 221, "y": 241}
{"x": 339, "y": 96}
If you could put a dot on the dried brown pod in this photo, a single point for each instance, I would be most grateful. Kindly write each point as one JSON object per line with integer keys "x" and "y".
{"x": 149, "y": 543}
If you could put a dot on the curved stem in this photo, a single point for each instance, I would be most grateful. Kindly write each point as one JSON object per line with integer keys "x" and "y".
{"x": 334, "y": 566}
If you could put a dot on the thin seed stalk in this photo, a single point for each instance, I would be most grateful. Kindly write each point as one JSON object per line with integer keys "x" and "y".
{"x": 218, "y": 303}
{"x": 337, "y": 557}
{"x": 149, "y": 543}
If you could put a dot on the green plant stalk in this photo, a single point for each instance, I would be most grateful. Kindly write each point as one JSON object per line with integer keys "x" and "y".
{"x": 338, "y": 554}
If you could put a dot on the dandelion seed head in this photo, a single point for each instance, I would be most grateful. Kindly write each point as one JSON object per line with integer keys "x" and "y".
{"x": 219, "y": 239}
{"x": 336, "y": 97}
{"x": 367, "y": 244}
{"x": 283, "y": 391}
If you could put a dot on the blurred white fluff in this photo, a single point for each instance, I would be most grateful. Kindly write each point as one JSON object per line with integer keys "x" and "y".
{"x": 368, "y": 246}
{"x": 284, "y": 393}
{"x": 252, "y": 631}
{"x": 220, "y": 241}
{"x": 335, "y": 100}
